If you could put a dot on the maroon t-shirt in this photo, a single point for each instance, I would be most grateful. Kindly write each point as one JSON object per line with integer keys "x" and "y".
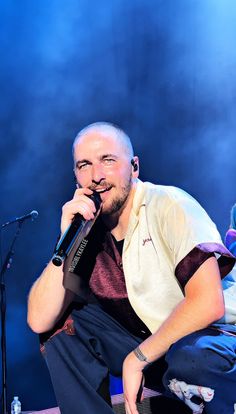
{"x": 107, "y": 283}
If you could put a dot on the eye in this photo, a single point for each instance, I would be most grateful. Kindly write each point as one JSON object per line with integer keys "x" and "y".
{"x": 83, "y": 166}
{"x": 108, "y": 161}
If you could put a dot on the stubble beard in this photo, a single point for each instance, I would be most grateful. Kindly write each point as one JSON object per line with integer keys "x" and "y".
{"x": 119, "y": 201}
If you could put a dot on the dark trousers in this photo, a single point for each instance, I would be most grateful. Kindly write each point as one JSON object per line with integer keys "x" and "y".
{"x": 199, "y": 369}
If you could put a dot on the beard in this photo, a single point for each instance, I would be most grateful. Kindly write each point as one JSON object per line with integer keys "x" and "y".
{"x": 118, "y": 202}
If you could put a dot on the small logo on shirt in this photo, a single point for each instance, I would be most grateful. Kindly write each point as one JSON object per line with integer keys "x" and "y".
{"x": 146, "y": 241}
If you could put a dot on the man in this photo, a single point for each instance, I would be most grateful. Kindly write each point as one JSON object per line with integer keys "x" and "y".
{"x": 152, "y": 283}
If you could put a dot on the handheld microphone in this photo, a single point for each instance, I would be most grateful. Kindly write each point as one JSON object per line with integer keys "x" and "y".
{"x": 32, "y": 215}
{"x": 75, "y": 233}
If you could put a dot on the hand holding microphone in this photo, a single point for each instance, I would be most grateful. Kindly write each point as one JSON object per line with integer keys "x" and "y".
{"x": 78, "y": 216}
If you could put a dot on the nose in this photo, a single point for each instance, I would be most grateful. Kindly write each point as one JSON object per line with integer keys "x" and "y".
{"x": 97, "y": 173}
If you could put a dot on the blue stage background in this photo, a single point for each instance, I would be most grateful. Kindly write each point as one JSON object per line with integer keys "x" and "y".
{"x": 162, "y": 70}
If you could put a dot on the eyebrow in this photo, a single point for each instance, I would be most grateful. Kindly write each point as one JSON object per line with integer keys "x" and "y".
{"x": 85, "y": 161}
{"x": 108, "y": 155}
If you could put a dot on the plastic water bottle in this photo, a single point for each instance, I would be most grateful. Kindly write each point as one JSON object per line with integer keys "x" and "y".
{"x": 16, "y": 406}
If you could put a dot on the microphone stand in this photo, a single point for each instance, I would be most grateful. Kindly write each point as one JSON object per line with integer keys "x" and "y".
{"x": 6, "y": 265}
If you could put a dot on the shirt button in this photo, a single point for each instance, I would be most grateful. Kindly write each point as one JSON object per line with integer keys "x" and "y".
{"x": 121, "y": 265}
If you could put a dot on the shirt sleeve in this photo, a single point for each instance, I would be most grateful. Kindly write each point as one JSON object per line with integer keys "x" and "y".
{"x": 192, "y": 238}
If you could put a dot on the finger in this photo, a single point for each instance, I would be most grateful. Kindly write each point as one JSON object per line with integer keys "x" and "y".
{"x": 82, "y": 206}
{"x": 83, "y": 195}
{"x": 76, "y": 206}
{"x": 82, "y": 191}
{"x": 127, "y": 410}
{"x": 132, "y": 407}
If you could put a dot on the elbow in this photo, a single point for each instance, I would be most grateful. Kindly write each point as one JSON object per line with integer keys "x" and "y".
{"x": 37, "y": 326}
{"x": 220, "y": 315}
{"x": 217, "y": 311}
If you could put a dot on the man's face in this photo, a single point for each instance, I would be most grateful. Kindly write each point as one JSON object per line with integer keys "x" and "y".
{"x": 102, "y": 164}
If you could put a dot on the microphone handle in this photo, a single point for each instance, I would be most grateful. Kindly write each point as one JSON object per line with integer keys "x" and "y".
{"x": 77, "y": 230}
{"x": 65, "y": 245}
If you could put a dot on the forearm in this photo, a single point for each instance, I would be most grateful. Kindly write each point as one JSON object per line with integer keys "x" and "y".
{"x": 188, "y": 317}
{"x": 47, "y": 299}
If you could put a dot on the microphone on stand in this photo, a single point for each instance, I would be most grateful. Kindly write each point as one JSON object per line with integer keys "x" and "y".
{"x": 32, "y": 215}
{"x": 75, "y": 233}
{"x": 5, "y": 266}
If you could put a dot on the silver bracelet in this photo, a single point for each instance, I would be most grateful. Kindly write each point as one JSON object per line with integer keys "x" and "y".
{"x": 138, "y": 353}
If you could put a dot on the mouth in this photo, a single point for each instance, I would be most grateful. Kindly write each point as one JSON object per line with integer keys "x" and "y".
{"x": 102, "y": 190}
